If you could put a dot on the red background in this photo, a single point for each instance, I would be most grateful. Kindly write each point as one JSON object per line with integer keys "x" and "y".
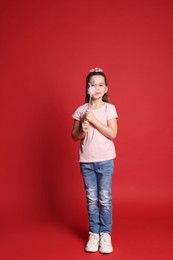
{"x": 46, "y": 50}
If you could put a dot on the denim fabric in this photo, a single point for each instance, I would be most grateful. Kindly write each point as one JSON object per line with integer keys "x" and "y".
{"x": 97, "y": 178}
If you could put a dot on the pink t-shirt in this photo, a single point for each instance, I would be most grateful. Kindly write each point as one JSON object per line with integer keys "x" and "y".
{"x": 95, "y": 147}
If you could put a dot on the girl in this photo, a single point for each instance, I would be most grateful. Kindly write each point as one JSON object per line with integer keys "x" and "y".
{"x": 95, "y": 126}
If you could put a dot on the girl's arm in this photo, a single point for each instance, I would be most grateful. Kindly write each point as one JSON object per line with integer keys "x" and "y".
{"x": 109, "y": 130}
{"x": 79, "y": 130}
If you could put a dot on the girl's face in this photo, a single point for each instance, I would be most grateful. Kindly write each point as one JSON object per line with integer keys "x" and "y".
{"x": 100, "y": 86}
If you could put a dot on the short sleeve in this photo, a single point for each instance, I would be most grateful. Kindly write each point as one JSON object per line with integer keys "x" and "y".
{"x": 80, "y": 112}
{"x": 76, "y": 114}
{"x": 112, "y": 112}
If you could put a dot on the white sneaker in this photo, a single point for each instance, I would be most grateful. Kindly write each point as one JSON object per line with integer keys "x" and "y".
{"x": 105, "y": 243}
{"x": 93, "y": 243}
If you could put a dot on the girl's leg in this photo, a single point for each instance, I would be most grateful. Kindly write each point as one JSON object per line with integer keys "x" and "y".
{"x": 90, "y": 184}
{"x": 105, "y": 172}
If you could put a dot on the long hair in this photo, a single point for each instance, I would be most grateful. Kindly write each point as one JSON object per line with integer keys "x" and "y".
{"x": 95, "y": 72}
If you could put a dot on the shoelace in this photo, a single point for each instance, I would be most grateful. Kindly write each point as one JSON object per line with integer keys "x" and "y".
{"x": 92, "y": 237}
{"x": 104, "y": 238}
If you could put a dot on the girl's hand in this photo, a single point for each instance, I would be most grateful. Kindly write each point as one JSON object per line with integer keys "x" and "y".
{"x": 90, "y": 116}
{"x": 85, "y": 126}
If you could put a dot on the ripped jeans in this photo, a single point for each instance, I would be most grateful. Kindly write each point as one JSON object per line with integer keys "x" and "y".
{"x": 97, "y": 178}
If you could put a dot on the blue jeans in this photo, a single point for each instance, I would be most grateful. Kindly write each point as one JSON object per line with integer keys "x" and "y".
{"x": 97, "y": 178}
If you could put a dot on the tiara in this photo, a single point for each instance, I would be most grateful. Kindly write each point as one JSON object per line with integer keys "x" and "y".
{"x": 96, "y": 70}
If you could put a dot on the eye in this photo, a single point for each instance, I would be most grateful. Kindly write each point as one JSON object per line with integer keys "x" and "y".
{"x": 91, "y": 84}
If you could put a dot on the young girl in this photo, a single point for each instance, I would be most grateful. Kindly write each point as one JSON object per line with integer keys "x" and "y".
{"x": 95, "y": 126}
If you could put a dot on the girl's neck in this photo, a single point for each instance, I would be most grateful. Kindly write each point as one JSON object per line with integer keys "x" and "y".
{"x": 97, "y": 103}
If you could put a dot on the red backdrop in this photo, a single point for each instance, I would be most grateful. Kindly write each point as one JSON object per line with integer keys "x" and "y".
{"x": 46, "y": 50}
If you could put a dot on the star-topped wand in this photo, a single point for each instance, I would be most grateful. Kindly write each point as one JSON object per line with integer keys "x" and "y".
{"x": 91, "y": 92}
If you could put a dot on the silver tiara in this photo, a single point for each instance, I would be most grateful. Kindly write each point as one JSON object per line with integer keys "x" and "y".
{"x": 96, "y": 70}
